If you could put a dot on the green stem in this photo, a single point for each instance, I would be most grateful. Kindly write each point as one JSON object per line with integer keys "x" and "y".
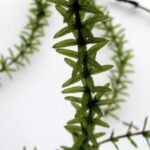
{"x": 86, "y": 70}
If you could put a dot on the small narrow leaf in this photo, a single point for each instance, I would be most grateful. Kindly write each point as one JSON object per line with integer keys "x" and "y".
{"x": 132, "y": 142}
{"x": 70, "y": 62}
{"x": 68, "y": 16}
{"x": 65, "y": 148}
{"x": 68, "y": 52}
{"x": 64, "y": 31}
{"x": 98, "y": 135}
{"x": 95, "y": 19}
{"x": 63, "y": 12}
{"x": 102, "y": 89}
{"x": 75, "y": 105}
{"x": 75, "y": 121}
{"x": 116, "y": 146}
{"x": 90, "y": 9}
{"x": 77, "y": 68}
{"x": 73, "y": 80}
{"x": 60, "y": 2}
{"x": 65, "y": 43}
{"x": 79, "y": 142}
{"x": 97, "y": 47}
{"x": 87, "y": 33}
{"x": 95, "y": 40}
{"x": 90, "y": 83}
{"x": 107, "y": 102}
{"x": 73, "y": 129}
{"x": 145, "y": 123}
{"x": 100, "y": 123}
{"x": 94, "y": 63}
{"x": 104, "y": 68}
{"x": 91, "y": 135}
{"x": 73, "y": 99}
{"x": 73, "y": 90}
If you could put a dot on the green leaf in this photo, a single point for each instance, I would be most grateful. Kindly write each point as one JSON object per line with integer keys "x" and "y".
{"x": 132, "y": 142}
{"x": 70, "y": 62}
{"x": 96, "y": 47}
{"x": 98, "y": 135}
{"x": 94, "y": 63}
{"x": 73, "y": 129}
{"x": 81, "y": 53}
{"x": 77, "y": 68}
{"x": 90, "y": 83}
{"x": 116, "y": 146}
{"x": 61, "y": 10}
{"x": 87, "y": 33}
{"x": 68, "y": 16}
{"x": 102, "y": 89}
{"x": 76, "y": 120}
{"x": 147, "y": 140}
{"x": 95, "y": 19}
{"x": 68, "y": 52}
{"x": 64, "y": 13}
{"x": 73, "y": 90}
{"x": 64, "y": 31}
{"x": 104, "y": 68}
{"x": 98, "y": 111}
{"x": 75, "y": 105}
{"x": 95, "y": 40}
{"x": 90, "y": 9}
{"x": 79, "y": 142}
{"x": 73, "y": 80}
{"x": 65, "y": 148}
{"x": 65, "y": 43}
{"x": 107, "y": 102}
{"x": 74, "y": 99}
{"x": 60, "y": 2}
{"x": 91, "y": 135}
{"x": 145, "y": 123}
{"x": 130, "y": 127}
{"x": 100, "y": 123}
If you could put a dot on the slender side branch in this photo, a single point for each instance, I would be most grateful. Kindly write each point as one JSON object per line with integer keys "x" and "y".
{"x": 129, "y": 135}
{"x": 29, "y": 38}
{"x": 124, "y": 136}
{"x": 136, "y": 4}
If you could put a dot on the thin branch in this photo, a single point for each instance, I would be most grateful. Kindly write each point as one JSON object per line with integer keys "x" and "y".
{"x": 124, "y": 136}
{"x": 136, "y": 4}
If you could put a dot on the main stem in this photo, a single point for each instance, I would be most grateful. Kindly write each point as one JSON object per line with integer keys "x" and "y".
{"x": 86, "y": 73}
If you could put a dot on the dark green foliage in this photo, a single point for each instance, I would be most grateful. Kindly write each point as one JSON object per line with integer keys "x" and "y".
{"x": 94, "y": 102}
{"x": 30, "y": 38}
{"x": 84, "y": 64}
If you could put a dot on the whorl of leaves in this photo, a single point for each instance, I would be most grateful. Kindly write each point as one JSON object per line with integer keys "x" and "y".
{"x": 84, "y": 64}
{"x": 30, "y": 38}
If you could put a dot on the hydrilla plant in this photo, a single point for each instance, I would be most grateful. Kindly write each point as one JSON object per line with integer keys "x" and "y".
{"x": 92, "y": 103}
{"x": 88, "y": 106}
{"x": 29, "y": 38}
{"x": 81, "y": 56}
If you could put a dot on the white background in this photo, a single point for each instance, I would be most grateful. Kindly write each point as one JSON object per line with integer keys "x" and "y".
{"x": 32, "y": 108}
